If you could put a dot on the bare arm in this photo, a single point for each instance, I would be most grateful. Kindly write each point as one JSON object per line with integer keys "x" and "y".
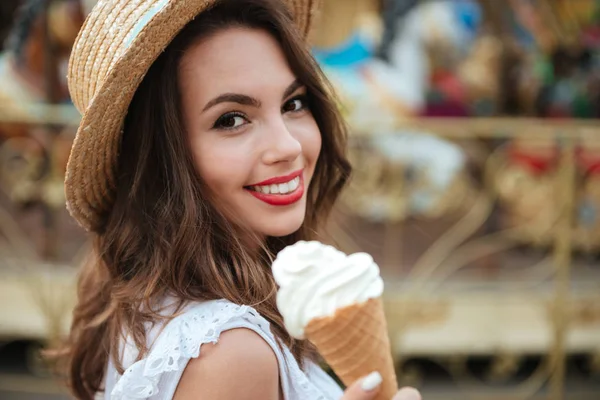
{"x": 240, "y": 366}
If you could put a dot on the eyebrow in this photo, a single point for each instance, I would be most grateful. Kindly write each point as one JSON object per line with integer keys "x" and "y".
{"x": 247, "y": 100}
{"x": 291, "y": 89}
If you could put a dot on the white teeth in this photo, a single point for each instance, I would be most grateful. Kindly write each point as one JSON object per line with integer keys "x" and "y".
{"x": 281, "y": 188}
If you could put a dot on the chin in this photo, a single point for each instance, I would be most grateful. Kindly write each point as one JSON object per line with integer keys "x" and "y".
{"x": 282, "y": 226}
{"x": 279, "y": 229}
{"x": 276, "y": 222}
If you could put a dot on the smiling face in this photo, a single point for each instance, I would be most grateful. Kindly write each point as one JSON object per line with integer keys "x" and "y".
{"x": 254, "y": 140}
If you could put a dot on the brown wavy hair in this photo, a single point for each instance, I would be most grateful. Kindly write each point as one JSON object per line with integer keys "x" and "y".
{"x": 164, "y": 236}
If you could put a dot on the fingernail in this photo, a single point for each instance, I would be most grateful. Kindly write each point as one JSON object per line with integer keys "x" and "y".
{"x": 371, "y": 381}
{"x": 407, "y": 393}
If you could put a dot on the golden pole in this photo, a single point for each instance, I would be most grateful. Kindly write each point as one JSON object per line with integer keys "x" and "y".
{"x": 392, "y": 249}
{"x": 562, "y": 258}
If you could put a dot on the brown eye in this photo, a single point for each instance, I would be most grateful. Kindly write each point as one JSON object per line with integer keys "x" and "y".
{"x": 230, "y": 121}
{"x": 296, "y": 104}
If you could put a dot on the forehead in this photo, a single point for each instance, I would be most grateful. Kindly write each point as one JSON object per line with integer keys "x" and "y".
{"x": 235, "y": 60}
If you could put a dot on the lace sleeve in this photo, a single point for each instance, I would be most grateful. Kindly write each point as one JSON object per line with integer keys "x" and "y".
{"x": 180, "y": 341}
{"x": 156, "y": 376}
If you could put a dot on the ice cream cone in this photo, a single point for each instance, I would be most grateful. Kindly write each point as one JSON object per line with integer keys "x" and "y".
{"x": 354, "y": 342}
{"x": 334, "y": 300}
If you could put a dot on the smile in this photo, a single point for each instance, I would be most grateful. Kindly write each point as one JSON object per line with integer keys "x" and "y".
{"x": 279, "y": 191}
{"x": 281, "y": 188}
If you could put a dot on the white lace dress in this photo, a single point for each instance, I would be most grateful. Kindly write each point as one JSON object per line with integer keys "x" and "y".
{"x": 156, "y": 376}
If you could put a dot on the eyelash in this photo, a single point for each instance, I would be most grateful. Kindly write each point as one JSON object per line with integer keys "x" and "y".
{"x": 303, "y": 98}
{"x": 219, "y": 124}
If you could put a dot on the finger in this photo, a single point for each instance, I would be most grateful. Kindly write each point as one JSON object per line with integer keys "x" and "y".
{"x": 407, "y": 393}
{"x": 365, "y": 388}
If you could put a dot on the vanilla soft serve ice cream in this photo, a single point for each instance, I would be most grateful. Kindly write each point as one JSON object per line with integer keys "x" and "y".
{"x": 316, "y": 279}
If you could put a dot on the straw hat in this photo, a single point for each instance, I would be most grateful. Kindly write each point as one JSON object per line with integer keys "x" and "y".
{"x": 116, "y": 46}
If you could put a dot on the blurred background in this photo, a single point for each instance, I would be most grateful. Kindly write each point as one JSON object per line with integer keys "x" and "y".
{"x": 475, "y": 140}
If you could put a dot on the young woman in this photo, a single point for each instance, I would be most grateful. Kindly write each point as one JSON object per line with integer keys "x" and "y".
{"x": 208, "y": 143}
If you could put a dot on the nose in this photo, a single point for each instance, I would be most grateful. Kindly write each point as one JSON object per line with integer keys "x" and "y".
{"x": 280, "y": 143}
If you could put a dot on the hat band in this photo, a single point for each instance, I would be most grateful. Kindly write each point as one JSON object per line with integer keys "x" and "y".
{"x": 144, "y": 20}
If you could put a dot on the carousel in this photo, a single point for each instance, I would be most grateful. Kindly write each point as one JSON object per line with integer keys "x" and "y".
{"x": 475, "y": 140}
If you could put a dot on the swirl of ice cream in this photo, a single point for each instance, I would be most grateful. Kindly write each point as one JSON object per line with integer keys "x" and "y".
{"x": 316, "y": 279}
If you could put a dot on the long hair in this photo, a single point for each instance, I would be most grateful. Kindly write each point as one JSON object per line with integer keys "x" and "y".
{"x": 164, "y": 236}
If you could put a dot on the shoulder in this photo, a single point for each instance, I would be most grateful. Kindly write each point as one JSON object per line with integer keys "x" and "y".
{"x": 241, "y": 365}
{"x": 210, "y": 345}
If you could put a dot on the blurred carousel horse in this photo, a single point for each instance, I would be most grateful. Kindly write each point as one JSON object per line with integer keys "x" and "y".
{"x": 406, "y": 173}
{"x": 529, "y": 188}
{"x": 25, "y": 150}
{"x": 375, "y": 90}
{"x": 24, "y": 62}
{"x": 587, "y": 217}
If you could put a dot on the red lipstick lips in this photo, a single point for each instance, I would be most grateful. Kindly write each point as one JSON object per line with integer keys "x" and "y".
{"x": 277, "y": 199}
{"x": 279, "y": 179}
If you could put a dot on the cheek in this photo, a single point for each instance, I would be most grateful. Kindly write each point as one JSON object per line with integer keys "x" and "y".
{"x": 311, "y": 143}
{"x": 218, "y": 165}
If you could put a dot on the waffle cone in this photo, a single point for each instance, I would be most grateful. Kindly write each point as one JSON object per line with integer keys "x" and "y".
{"x": 354, "y": 342}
